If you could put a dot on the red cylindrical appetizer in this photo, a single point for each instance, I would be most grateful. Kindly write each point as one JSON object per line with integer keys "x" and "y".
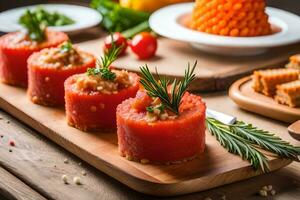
{"x": 162, "y": 124}
{"x": 15, "y": 48}
{"x": 92, "y": 98}
{"x": 48, "y": 70}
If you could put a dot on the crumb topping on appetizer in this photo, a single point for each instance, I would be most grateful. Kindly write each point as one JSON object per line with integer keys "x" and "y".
{"x": 161, "y": 99}
{"x": 103, "y": 79}
{"x": 63, "y": 56}
{"x": 96, "y": 83}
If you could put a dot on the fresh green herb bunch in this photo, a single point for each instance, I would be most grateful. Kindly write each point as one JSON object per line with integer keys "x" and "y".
{"x": 36, "y": 31}
{"x": 246, "y": 141}
{"x": 103, "y": 66}
{"x": 160, "y": 87}
{"x": 117, "y": 18}
{"x": 50, "y": 18}
{"x": 66, "y": 47}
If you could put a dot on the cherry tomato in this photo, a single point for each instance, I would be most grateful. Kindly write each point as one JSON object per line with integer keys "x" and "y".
{"x": 144, "y": 45}
{"x": 118, "y": 39}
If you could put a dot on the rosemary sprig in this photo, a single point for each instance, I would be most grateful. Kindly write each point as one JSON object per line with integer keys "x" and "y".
{"x": 159, "y": 88}
{"x": 35, "y": 30}
{"x": 245, "y": 140}
{"x": 236, "y": 144}
{"x": 266, "y": 140}
{"x": 103, "y": 66}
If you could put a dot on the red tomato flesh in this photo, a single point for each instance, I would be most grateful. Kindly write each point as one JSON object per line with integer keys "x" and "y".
{"x": 46, "y": 85}
{"x": 95, "y": 111}
{"x": 162, "y": 141}
{"x": 13, "y": 59}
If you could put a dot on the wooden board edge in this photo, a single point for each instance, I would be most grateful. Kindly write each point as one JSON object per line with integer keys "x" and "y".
{"x": 144, "y": 186}
{"x": 251, "y": 104}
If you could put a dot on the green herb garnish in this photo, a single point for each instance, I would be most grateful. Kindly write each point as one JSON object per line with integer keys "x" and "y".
{"x": 159, "y": 107}
{"x": 66, "y": 47}
{"x": 117, "y": 18}
{"x": 35, "y": 30}
{"x": 246, "y": 141}
{"x": 159, "y": 88}
{"x": 102, "y": 67}
{"x": 46, "y": 18}
{"x": 240, "y": 138}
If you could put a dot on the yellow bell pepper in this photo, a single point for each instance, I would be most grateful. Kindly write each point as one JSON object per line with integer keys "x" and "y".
{"x": 148, "y": 5}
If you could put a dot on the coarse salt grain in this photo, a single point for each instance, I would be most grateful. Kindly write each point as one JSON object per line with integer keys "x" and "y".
{"x": 77, "y": 180}
{"x": 64, "y": 178}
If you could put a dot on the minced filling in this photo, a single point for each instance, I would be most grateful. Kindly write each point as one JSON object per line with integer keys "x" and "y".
{"x": 157, "y": 111}
{"x": 95, "y": 83}
{"x": 21, "y": 39}
{"x": 57, "y": 58}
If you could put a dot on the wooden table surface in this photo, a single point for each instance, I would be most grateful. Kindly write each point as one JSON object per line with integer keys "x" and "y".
{"x": 34, "y": 168}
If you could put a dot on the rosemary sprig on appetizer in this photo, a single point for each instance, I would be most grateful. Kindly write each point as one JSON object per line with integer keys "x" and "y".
{"x": 34, "y": 28}
{"x": 159, "y": 88}
{"x": 239, "y": 138}
{"x": 103, "y": 67}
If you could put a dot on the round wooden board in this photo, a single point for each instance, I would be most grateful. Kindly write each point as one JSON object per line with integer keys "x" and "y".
{"x": 244, "y": 96}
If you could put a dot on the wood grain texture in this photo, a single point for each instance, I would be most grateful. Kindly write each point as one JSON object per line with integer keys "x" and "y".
{"x": 294, "y": 130}
{"x": 214, "y": 72}
{"x": 33, "y": 151}
{"x": 243, "y": 95}
{"x": 12, "y": 188}
{"x": 214, "y": 168}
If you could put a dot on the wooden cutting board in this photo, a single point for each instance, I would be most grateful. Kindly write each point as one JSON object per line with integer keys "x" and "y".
{"x": 243, "y": 95}
{"x": 214, "y": 72}
{"x": 214, "y": 168}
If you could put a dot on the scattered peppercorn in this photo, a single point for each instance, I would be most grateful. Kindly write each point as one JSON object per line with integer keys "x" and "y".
{"x": 10, "y": 150}
{"x": 66, "y": 161}
{"x": 2, "y": 136}
{"x": 83, "y": 173}
{"x": 12, "y": 143}
{"x": 8, "y": 122}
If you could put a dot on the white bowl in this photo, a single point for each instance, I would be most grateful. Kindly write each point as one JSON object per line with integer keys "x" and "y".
{"x": 166, "y": 22}
{"x": 84, "y": 17}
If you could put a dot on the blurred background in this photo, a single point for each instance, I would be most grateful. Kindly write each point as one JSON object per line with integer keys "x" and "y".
{"x": 290, "y": 5}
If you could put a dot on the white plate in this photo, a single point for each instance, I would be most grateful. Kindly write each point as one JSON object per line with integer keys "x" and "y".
{"x": 84, "y": 17}
{"x": 166, "y": 23}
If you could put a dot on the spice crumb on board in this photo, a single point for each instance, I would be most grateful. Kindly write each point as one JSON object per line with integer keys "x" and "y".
{"x": 64, "y": 178}
{"x": 83, "y": 173}
{"x": 1, "y": 136}
{"x": 10, "y": 150}
{"x": 66, "y": 161}
{"x": 77, "y": 180}
{"x": 273, "y": 192}
{"x": 79, "y": 163}
{"x": 7, "y": 122}
{"x": 263, "y": 193}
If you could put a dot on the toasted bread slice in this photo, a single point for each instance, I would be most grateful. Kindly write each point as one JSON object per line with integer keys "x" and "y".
{"x": 265, "y": 81}
{"x": 289, "y": 94}
{"x": 294, "y": 62}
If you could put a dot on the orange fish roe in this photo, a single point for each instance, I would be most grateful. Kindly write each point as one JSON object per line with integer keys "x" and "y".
{"x": 237, "y": 18}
